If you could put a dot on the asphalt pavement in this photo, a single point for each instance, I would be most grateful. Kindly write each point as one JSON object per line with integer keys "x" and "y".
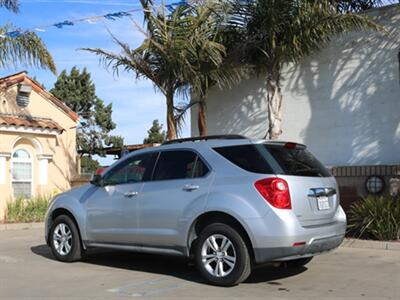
{"x": 29, "y": 271}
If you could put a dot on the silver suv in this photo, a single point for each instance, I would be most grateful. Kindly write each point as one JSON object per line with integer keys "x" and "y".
{"x": 228, "y": 202}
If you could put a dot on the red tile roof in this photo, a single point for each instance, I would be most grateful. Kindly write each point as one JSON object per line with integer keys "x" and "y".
{"x": 38, "y": 88}
{"x": 29, "y": 122}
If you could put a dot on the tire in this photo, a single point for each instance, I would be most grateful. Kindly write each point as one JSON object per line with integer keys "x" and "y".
{"x": 234, "y": 271}
{"x": 64, "y": 239}
{"x": 298, "y": 263}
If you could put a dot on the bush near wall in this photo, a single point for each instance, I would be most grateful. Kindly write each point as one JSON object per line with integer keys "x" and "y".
{"x": 376, "y": 218}
{"x": 27, "y": 210}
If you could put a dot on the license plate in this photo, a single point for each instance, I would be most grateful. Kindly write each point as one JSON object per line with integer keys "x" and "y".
{"x": 323, "y": 203}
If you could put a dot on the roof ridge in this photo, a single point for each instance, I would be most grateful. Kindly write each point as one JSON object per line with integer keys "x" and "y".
{"x": 12, "y": 75}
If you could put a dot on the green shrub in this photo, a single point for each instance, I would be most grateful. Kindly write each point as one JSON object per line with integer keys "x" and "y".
{"x": 375, "y": 217}
{"x": 27, "y": 210}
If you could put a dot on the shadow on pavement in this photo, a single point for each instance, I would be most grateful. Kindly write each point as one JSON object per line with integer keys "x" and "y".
{"x": 166, "y": 265}
{"x": 269, "y": 274}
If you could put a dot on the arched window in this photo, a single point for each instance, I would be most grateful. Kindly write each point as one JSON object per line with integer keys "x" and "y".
{"x": 22, "y": 174}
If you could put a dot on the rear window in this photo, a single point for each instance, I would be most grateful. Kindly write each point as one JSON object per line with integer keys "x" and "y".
{"x": 246, "y": 157}
{"x": 297, "y": 161}
{"x": 274, "y": 159}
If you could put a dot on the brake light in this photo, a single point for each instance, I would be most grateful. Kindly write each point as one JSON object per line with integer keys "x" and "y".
{"x": 298, "y": 244}
{"x": 275, "y": 191}
{"x": 100, "y": 171}
{"x": 290, "y": 145}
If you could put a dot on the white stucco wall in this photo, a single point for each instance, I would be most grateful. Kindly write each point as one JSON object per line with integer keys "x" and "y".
{"x": 343, "y": 102}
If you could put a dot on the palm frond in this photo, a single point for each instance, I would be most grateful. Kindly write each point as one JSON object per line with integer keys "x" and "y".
{"x": 285, "y": 31}
{"x": 346, "y": 6}
{"x": 12, "y": 5}
{"x": 27, "y": 49}
{"x": 180, "y": 114}
{"x": 314, "y": 26}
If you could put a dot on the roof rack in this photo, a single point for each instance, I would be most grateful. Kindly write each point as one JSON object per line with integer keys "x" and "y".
{"x": 206, "y": 138}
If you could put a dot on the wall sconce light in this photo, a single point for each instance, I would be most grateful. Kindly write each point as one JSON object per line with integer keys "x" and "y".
{"x": 375, "y": 184}
{"x": 24, "y": 91}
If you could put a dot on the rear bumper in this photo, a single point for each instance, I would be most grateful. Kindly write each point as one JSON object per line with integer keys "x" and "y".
{"x": 314, "y": 247}
{"x": 278, "y": 236}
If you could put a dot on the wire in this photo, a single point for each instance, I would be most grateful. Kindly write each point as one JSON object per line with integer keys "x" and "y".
{"x": 92, "y": 20}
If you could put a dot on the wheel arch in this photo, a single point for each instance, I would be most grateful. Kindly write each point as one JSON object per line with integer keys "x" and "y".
{"x": 210, "y": 217}
{"x": 63, "y": 211}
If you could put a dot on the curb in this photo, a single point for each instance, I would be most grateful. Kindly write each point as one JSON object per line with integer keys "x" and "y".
{"x": 366, "y": 244}
{"x": 21, "y": 226}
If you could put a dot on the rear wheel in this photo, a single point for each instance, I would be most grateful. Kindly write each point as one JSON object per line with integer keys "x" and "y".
{"x": 222, "y": 256}
{"x": 298, "y": 263}
{"x": 65, "y": 241}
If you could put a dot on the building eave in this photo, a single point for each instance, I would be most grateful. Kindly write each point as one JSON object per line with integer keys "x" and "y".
{"x": 29, "y": 130}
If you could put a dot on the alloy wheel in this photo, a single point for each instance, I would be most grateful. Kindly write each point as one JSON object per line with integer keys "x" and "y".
{"x": 62, "y": 239}
{"x": 218, "y": 255}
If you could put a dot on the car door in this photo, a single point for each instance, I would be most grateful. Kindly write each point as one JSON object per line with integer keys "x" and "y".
{"x": 179, "y": 187}
{"x": 112, "y": 210}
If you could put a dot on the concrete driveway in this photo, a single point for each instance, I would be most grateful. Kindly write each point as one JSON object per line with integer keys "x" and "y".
{"x": 28, "y": 270}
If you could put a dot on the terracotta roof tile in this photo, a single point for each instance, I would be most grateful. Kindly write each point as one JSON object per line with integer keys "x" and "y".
{"x": 30, "y": 122}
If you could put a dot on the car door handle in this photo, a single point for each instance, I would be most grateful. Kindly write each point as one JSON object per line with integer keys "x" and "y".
{"x": 190, "y": 187}
{"x": 130, "y": 194}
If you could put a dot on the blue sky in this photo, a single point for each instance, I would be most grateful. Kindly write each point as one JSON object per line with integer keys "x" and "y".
{"x": 135, "y": 103}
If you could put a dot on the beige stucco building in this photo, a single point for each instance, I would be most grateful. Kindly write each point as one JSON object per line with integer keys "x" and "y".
{"x": 37, "y": 141}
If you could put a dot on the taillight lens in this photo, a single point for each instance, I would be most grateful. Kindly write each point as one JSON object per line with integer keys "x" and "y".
{"x": 290, "y": 146}
{"x": 275, "y": 191}
{"x": 100, "y": 171}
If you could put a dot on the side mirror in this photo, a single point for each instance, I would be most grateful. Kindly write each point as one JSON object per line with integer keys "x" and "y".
{"x": 97, "y": 180}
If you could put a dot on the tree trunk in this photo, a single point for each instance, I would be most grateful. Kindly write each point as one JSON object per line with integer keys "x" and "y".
{"x": 274, "y": 101}
{"x": 171, "y": 124}
{"x": 201, "y": 118}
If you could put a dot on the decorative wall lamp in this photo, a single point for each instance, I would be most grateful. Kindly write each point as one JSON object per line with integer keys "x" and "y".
{"x": 24, "y": 91}
{"x": 375, "y": 184}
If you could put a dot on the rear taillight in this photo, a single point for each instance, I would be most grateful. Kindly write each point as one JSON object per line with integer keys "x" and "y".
{"x": 299, "y": 244}
{"x": 100, "y": 171}
{"x": 290, "y": 145}
{"x": 275, "y": 191}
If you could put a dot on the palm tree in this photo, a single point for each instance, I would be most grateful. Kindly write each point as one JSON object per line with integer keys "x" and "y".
{"x": 179, "y": 51}
{"x": 210, "y": 62}
{"x": 161, "y": 57}
{"x": 24, "y": 48}
{"x": 275, "y": 33}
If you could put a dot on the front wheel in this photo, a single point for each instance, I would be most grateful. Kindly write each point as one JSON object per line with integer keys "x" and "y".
{"x": 65, "y": 241}
{"x": 222, "y": 256}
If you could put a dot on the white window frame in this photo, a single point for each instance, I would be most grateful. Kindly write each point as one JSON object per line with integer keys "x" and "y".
{"x": 22, "y": 160}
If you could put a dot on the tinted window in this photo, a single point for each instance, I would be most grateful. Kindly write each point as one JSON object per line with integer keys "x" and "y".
{"x": 200, "y": 169}
{"x": 179, "y": 165}
{"x": 136, "y": 169}
{"x": 274, "y": 159}
{"x": 246, "y": 157}
{"x": 298, "y": 161}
